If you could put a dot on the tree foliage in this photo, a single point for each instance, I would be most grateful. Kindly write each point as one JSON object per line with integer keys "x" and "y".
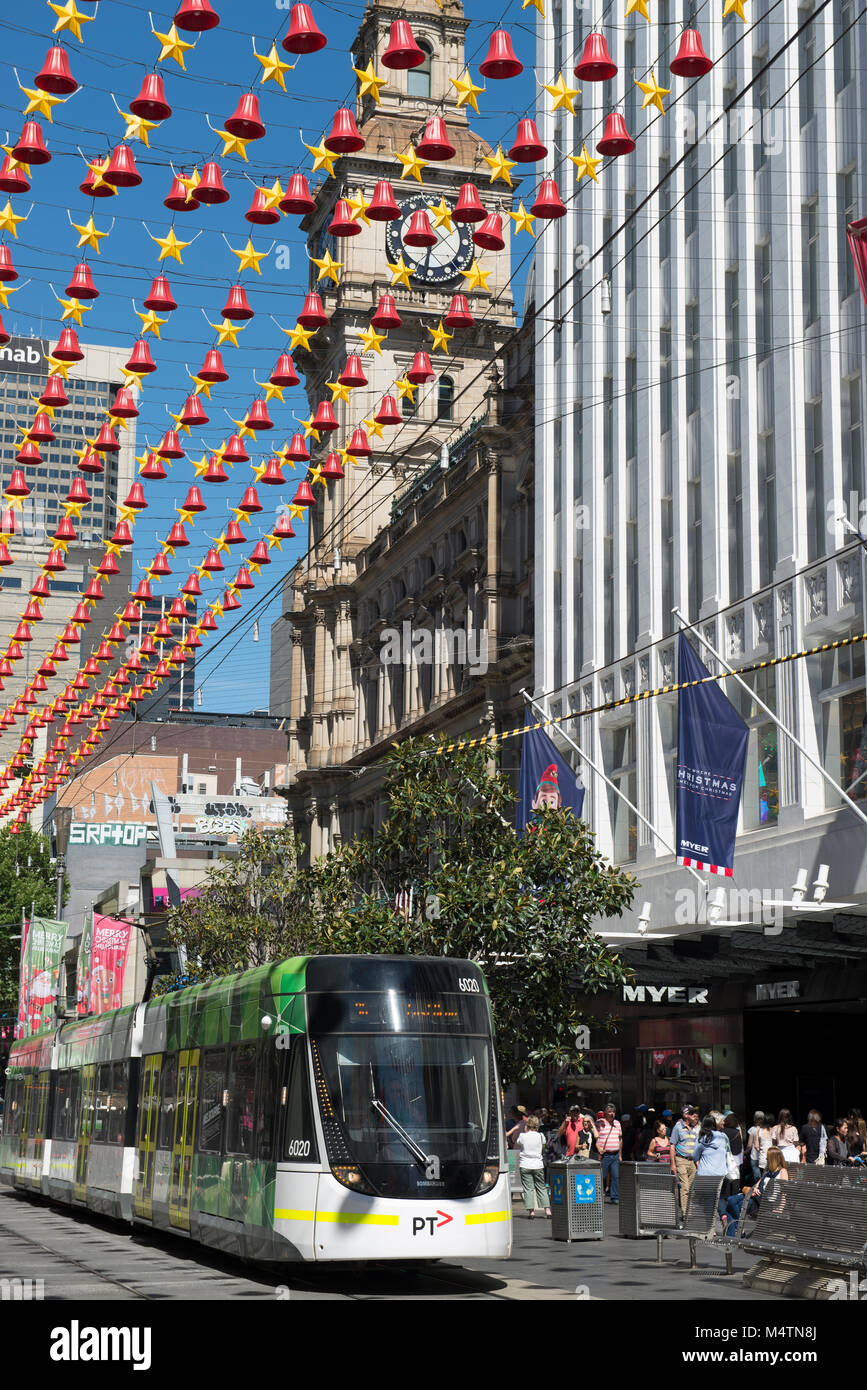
{"x": 27, "y": 880}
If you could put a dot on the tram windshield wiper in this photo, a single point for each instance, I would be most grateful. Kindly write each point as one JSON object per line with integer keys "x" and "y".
{"x": 417, "y": 1153}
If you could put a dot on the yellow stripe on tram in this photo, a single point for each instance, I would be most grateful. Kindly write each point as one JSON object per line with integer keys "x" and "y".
{"x": 483, "y": 1218}
{"x": 347, "y": 1218}
{"x": 285, "y": 1214}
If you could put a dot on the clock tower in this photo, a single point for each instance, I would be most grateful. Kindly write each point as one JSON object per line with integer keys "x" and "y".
{"x": 391, "y": 117}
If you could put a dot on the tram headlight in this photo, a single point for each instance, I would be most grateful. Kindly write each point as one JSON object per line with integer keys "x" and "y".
{"x": 351, "y": 1176}
{"x": 488, "y": 1178}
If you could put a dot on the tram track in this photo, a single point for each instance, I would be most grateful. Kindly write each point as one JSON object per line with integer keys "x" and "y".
{"x": 55, "y": 1254}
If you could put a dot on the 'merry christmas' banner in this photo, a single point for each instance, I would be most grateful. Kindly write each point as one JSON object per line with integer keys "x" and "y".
{"x": 711, "y": 755}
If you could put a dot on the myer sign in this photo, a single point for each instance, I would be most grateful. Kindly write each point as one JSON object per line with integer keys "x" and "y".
{"x": 666, "y": 994}
{"x": 778, "y": 989}
{"x": 24, "y": 355}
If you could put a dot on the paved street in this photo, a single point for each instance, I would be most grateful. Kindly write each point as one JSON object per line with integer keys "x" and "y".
{"x": 88, "y": 1258}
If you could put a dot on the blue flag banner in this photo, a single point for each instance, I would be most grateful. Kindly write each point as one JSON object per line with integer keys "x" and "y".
{"x": 546, "y": 778}
{"x": 711, "y": 755}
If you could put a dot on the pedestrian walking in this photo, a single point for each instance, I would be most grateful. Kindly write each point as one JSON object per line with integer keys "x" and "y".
{"x": 659, "y": 1148}
{"x": 813, "y": 1140}
{"x": 786, "y": 1137}
{"x": 765, "y": 1137}
{"x": 683, "y": 1141}
{"x": 572, "y": 1132}
{"x": 531, "y": 1168}
{"x": 609, "y": 1145}
{"x": 517, "y": 1123}
{"x": 752, "y": 1144}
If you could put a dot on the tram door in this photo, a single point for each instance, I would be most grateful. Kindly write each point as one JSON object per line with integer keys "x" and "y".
{"x": 184, "y": 1140}
{"x": 146, "y": 1135}
{"x": 40, "y": 1110}
{"x": 85, "y": 1131}
{"x": 28, "y": 1102}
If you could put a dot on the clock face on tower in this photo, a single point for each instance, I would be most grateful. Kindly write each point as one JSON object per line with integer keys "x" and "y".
{"x": 433, "y": 265}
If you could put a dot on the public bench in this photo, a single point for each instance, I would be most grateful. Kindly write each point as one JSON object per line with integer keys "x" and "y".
{"x": 802, "y": 1225}
{"x": 699, "y": 1222}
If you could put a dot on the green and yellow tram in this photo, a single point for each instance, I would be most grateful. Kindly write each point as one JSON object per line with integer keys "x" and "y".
{"x": 322, "y": 1108}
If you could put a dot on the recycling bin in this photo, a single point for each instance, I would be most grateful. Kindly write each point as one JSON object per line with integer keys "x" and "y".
{"x": 577, "y": 1197}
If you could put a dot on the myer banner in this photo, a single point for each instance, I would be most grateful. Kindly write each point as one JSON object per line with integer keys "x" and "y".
{"x": 40, "y": 973}
{"x": 546, "y": 779}
{"x": 711, "y": 754}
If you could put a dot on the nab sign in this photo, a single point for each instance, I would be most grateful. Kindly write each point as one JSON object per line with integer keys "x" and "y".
{"x": 24, "y": 355}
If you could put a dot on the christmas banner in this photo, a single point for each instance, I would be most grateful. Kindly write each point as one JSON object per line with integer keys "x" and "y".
{"x": 21, "y": 1024}
{"x": 41, "y": 973}
{"x": 546, "y": 779}
{"x": 109, "y": 950}
{"x": 711, "y": 755}
{"x": 82, "y": 980}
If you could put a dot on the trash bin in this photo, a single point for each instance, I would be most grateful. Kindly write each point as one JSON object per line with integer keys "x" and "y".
{"x": 577, "y": 1198}
{"x": 648, "y": 1198}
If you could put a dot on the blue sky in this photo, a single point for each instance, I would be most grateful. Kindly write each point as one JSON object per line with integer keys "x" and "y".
{"x": 118, "y": 50}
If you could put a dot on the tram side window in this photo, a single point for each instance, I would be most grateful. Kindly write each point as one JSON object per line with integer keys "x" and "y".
{"x": 240, "y": 1132}
{"x": 299, "y": 1141}
{"x": 212, "y": 1084}
{"x": 14, "y": 1093}
{"x": 119, "y": 1101}
{"x": 169, "y": 1099}
{"x": 66, "y": 1106}
{"x": 268, "y": 1100}
{"x": 103, "y": 1101}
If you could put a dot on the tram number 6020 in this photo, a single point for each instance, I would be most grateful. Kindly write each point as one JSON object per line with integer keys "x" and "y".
{"x": 467, "y": 985}
{"x": 298, "y": 1148}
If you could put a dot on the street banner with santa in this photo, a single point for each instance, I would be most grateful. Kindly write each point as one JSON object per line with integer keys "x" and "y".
{"x": 40, "y": 973}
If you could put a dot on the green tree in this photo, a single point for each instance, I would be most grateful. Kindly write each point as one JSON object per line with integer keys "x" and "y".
{"x": 27, "y": 879}
{"x": 248, "y": 911}
{"x": 522, "y": 907}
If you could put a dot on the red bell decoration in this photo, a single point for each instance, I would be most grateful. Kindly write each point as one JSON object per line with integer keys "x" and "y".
{"x": 151, "y": 101}
{"x": 595, "y": 63}
{"x": 402, "y": 50}
{"x": 388, "y": 413}
{"x": 420, "y": 232}
{"x": 284, "y": 373}
{"x": 212, "y": 562}
{"x": 243, "y": 579}
{"x": 121, "y": 171}
{"x": 385, "y": 315}
{"x": 124, "y": 406}
{"x": 690, "y": 59}
{"x": 215, "y": 473}
{"x": 259, "y": 213}
{"x": 12, "y": 177}
{"x": 421, "y": 370}
{"x": 143, "y": 592}
{"x": 162, "y": 631}
{"x": 140, "y": 360}
{"x": 489, "y": 233}
{"x": 135, "y": 499}
{"x": 298, "y": 451}
{"x": 107, "y": 441}
{"x": 108, "y": 566}
{"x": 469, "y": 205}
{"x": 304, "y": 495}
{"x": 193, "y": 412}
{"x": 153, "y": 468}
{"x": 527, "y": 147}
{"x": 81, "y": 285}
{"x": 353, "y": 373}
{"x": 78, "y": 492}
{"x": 40, "y": 431}
{"x": 160, "y": 565}
{"x": 234, "y": 451}
{"x": 234, "y": 534}
{"x": 55, "y": 561}
{"x": 170, "y": 448}
{"x": 331, "y": 469}
{"x": 29, "y": 453}
{"x": 303, "y": 35}
{"x": 344, "y": 136}
{"x": 434, "y": 143}
{"x": 297, "y": 198}
{"x": 179, "y": 199}
{"x": 192, "y": 587}
{"x": 258, "y": 417}
{"x": 259, "y": 554}
{"x": 237, "y": 306}
{"x": 31, "y": 146}
{"x": 54, "y": 393}
{"x": 90, "y": 462}
{"x": 8, "y": 273}
{"x": 67, "y": 348}
{"x": 615, "y": 139}
{"x": 16, "y": 487}
{"x": 210, "y": 189}
{"x": 213, "y": 369}
{"x": 548, "y": 201}
{"x": 342, "y": 223}
{"x": 177, "y": 536}
{"x": 273, "y": 474}
{"x": 230, "y": 601}
{"x": 122, "y": 534}
{"x": 196, "y": 15}
{"x": 40, "y": 587}
{"x": 358, "y": 445}
{"x": 194, "y": 501}
{"x": 94, "y": 185}
{"x": 325, "y": 419}
{"x": 250, "y": 503}
{"x": 382, "y": 206}
{"x": 245, "y": 120}
{"x": 500, "y": 61}
{"x": 160, "y": 296}
{"x": 54, "y": 75}
{"x": 312, "y": 313}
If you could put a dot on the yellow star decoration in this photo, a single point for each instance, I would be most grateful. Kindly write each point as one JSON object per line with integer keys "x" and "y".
{"x": 411, "y": 164}
{"x": 476, "y": 278}
{"x": 339, "y": 392}
{"x": 368, "y": 82}
{"x": 73, "y": 309}
{"x": 283, "y": 456}
{"x": 346, "y": 458}
{"x": 131, "y": 378}
{"x": 137, "y": 127}
{"x": 270, "y": 390}
{"x": 273, "y": 67}
{"x": 328, "y": 267}
{"x": 308, "y": 429}
{"x": 537, "y": 5}
{"x": 248, "y": 258}
{"x": 322, "y": 158}
{"x": 40, "y": 102}
{"x": 202, "y": 387}
{"x": 150, "y": 322}
{"x": 227, "y": 332}
{"x": 98, "y": 167}
{"x": 406, "y": 388}
{"x": 73, "y": 509}
{"x": 190, "y": 183}
{"x": 200, "y": 466}
{"x": 233, "y": 144}
{"x": 374, "y": 428}
{"x": 17, "y": 163}
{"x": 172, "y": 46}
{"x": 467, "y": 90}
{"x": 182, "y": 429}
{"x": 358, "y": 207}
{"x": 89, "y": 235}
{"x": 653, "y": 93}
{"x": 562, "y": 95}
{"x": 299, "y": 337}
{"x": 585, "y": 165}
{"x": 220, "y": 543}
{"x": 637, "y": 7}
{"x": 271, "y": 196}
{"x": 499, "y": 166}
{"x": 735, "y": 7}
{"x": 316, "y": 476}
{"x": 170, "y": 246}
{"x": 442, "y": 215}
{"x": 371, "y": 341}
{"x": 58, "y": 367}
{"x": 9, "y": 220}
{"x": 5, "y": 291}
{"x": 68, "y": 17}
{"x": 400, "y": 272}
{"x": 523, "y": 220}
{"x": 441, "y": 338}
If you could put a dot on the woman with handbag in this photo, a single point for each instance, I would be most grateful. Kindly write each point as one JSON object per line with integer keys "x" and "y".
{"x": 714, "y": 1158}
{"x": 813, "y": 1140}
{"x": 786, "y": 1137}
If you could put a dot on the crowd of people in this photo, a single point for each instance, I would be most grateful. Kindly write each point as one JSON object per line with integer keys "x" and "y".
{"x": 749, "y": 1159}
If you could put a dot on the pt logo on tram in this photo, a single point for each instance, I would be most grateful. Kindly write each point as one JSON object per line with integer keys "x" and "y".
{"x": 420, "y": 1222}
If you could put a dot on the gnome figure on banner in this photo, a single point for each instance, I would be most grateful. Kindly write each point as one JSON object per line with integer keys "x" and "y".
{"x": 547, "y": 781}
{"x": 548, "y": 790}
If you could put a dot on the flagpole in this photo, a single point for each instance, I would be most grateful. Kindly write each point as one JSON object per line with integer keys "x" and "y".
{"x": 607, "y": 780}
{"x": 780, "y": 725}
